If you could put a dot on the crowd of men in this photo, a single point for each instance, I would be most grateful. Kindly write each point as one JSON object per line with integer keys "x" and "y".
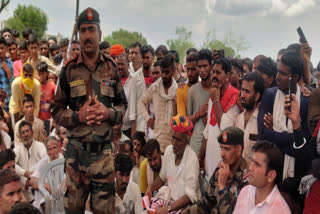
{"x": 143, "y": 131}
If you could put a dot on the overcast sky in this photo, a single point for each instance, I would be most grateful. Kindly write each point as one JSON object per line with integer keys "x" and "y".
{"x": 267, "y": 24}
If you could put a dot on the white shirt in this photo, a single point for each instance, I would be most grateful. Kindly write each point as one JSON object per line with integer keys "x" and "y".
{"x": 6, "y": 139}
{"x": 211, "y": 133}
{"x": 127, "y": 86}
{"x": 251, "y": 128}
{"x": 27, "y": 159}
{"x": 273, "y": 204}
{"x": 182, "y": 179}
{"x": 132, "y": 201}
{"x": 137, "y": 90}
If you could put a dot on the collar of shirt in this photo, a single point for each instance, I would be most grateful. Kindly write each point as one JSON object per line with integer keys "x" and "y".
{"x": 100, "y": 58}
{"x": 266, "y": 202}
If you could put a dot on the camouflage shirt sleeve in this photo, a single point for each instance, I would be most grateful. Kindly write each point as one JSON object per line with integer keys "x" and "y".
{"x": 208, "y": 200}
{"x": 120, "y": 103}
{"x": 61, "y": 114}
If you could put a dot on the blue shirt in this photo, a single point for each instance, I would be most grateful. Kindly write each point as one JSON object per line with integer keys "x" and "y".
{"x": 5, "y": 83}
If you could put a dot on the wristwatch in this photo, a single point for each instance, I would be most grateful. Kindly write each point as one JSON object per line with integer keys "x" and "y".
{"x": 169, "y": 208}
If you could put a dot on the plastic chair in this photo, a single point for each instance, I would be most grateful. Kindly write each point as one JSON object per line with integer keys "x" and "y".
{"x": 54, "y": 175}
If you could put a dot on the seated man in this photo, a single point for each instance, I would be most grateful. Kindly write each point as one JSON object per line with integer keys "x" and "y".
{"x": 180, "y": 169}
{"x": 128, "y": 197}
{"x": 37, "y": 124}
{"x": 29, "y": 152}
{"x": 5, "y": 139}
{"x": 10, "y": 190}
{"x": 228, "y": 178}
{"x": 265, "y": 171}
{"x": 52, "y": 146}
{"x": 7, "y": 160}
{"x": 150, "y": 167}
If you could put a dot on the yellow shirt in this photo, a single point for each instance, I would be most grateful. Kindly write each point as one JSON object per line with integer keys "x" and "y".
{"x": 15, "y": 104}
{"x": 182, "y": 95}
{"x": 143, "y": 176}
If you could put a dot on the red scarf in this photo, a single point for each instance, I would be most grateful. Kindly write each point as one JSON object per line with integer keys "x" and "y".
{"x": 228, "y": 99}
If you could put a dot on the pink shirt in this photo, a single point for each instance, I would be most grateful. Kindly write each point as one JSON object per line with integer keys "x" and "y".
{"x": 273, "y": 204}
{"x": 17, "y": 65}
{"x": 47, "y": 96}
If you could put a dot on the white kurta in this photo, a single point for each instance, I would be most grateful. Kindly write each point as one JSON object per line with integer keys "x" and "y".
{"x": 182, "y": 179}
{"x": 27, "y": 159}
{"x": 132, "y": 201}
{"x": 211, "y": 133}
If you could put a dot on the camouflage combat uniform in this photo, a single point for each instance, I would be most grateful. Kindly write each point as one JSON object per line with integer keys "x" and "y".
{"x": 221, "y": 202}
{"x": 89, "y": 162}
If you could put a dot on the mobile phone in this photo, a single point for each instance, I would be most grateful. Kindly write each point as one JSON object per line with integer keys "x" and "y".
{"x": 302, "y": 36}
{"x": 290, "y": 87}
{"x": 220, "y": 53}
{"x": 47, "y": 126}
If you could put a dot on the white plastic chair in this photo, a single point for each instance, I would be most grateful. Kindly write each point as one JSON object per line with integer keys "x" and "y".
{"x": 53, "y": 175}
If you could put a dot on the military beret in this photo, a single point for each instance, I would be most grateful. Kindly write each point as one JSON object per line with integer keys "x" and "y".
{"x": 231, "y": 136}
{"x": 88, "y": 16}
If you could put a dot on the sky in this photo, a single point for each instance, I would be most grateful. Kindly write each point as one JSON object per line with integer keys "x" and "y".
{"x": 268, "y": 25}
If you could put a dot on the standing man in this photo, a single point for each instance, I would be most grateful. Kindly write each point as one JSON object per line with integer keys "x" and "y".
{"x": 251, "y": 91}
{"x": 193, "y": 76}
{"x": 126, "y": 80}
{"x": 136, "y": 57}
{"x": 222, "y": 110}
{"x": 35, "y": 57}
{"x": 90, "y": 99}
{"x": 47, "y": 92}
{"x": 162, "y": 94}
{"x": 140, "y": 82}
{"x": 44, "y": 48}
{"x": 198, "y": 94}
{"x": 6, "y": 71}
{"x": 274, "y": 126}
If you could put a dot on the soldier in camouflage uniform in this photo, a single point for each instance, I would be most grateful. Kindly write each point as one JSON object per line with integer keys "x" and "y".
{"x": 228, "y": 179}
{"x": 89, "y": 101}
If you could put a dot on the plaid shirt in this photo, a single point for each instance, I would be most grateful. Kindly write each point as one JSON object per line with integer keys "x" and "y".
{"x": 5, "y": 83}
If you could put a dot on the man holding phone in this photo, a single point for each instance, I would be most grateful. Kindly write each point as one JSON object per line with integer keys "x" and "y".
{"x": 272, "y": 122}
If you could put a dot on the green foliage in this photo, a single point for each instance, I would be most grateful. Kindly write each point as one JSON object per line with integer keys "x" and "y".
{"x": 182, "y": 42}
{"x": 28, "y": 16}
{"x": 125, "y": 38}
{"x": 232, "y": 46}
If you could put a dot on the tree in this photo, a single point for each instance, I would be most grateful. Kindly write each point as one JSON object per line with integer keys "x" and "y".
{"x": 28, "y": 16}
{"x": 182, "y": 42}
{"x": 231, "y": 44}
{"x": 4, "y": 3}
{"x": 125, "y": 38}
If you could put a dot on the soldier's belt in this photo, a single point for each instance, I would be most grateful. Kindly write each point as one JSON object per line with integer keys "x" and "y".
{"x": 91, "y": 147}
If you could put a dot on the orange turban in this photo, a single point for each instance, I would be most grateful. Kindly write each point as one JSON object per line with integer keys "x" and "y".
{"x": 182, "y": 124}
{"x": 116, "y": 50}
